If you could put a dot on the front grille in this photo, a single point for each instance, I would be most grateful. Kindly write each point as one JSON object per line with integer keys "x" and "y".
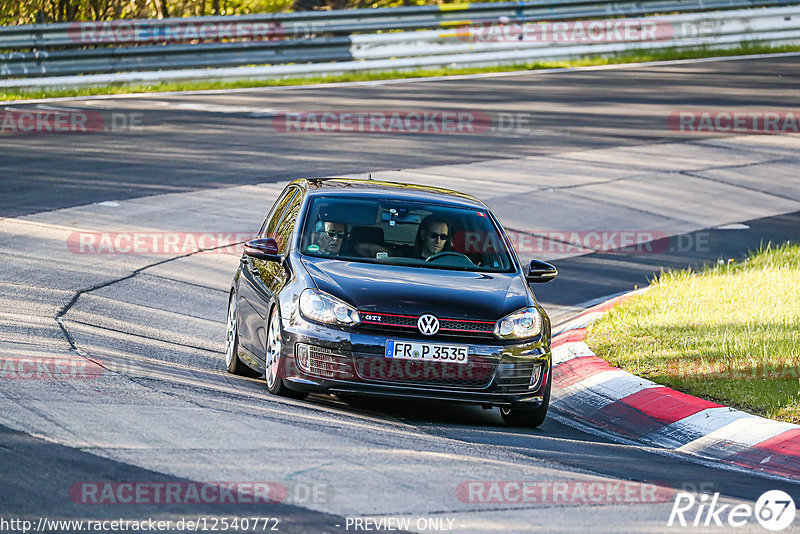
{"x": 478, "y": 373}
{"x": 323, "y": 362}
{"x": 519, "y": 376}
{"x": 464, "y": 326}
{"x": 408, "y": 323}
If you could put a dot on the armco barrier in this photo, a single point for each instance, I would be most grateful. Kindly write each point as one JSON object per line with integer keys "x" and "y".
{"x": 348, "y": 21}
{"x": 485, "y": 44}
{"x": 99, "y": 60}
{"x": 724, "y": 27}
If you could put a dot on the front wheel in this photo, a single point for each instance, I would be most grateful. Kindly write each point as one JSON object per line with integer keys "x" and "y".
{"x": 518, "y": 416}
{"x": 275, "y": 364}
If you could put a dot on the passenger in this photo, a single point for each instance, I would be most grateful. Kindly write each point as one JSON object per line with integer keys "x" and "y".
{"x": 433, "y": 237}
{"x": 329, "y": 237}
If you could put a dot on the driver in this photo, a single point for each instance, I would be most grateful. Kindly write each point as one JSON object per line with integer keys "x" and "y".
{"x": 433, "y": 236}
{"x": 329, "y": 237}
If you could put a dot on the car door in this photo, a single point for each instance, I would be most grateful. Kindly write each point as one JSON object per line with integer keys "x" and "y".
{"x": 261, "y": 279}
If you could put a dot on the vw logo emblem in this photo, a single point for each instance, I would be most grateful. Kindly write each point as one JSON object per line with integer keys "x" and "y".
{"x": 428, "y": 324}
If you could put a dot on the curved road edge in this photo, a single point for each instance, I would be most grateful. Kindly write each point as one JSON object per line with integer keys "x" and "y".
{"x": 596, "y": 394}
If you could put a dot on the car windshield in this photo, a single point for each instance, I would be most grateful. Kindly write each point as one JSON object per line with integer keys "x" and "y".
{"x": 402, "y": 232}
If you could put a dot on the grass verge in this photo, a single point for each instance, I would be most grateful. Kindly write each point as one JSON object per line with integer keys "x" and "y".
{"x": 730, "y": 333}
{"x": 631, "y": 57}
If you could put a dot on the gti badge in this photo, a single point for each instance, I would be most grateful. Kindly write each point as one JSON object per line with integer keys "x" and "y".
{"x": 428, "y": 324}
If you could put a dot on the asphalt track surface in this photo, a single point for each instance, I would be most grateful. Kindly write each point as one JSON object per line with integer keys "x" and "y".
{"x": 195, "y": 142}
{"x": 180, "y": 147}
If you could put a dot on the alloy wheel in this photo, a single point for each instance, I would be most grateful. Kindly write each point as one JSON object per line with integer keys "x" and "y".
{"x": 273, "y": 350}
{"x": 230, "y": 335}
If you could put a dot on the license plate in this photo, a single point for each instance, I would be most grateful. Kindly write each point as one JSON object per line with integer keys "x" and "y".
{"x": 429, "y": 352}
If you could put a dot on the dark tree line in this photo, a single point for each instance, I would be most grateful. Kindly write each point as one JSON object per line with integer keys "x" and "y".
{"x": 40, "y": 11}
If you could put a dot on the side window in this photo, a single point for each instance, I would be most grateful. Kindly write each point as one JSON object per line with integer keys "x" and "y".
{"x": 280, "y": 223}
{"x": 287, "y": 222}
{"x": 276, "y": 212}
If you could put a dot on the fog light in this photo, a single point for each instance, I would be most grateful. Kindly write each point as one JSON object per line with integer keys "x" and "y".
{"x": 301, "y": 356}
{"x": 535, "y": 376}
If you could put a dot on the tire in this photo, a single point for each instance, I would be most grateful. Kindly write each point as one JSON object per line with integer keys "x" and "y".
{"x": 517, "y": 416}
{"x": 232, "y": 362}
{"x": 274, "y": 364}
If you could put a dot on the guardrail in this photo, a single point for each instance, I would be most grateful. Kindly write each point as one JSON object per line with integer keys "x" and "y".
{"x": 536, "y": 41}
{"x": 347, "y": 21}
{"x": 510, "y": 41}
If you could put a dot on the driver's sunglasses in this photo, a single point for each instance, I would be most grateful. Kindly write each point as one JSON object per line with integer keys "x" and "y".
{"x": 334, "y": 234}
{"x": 434, "y": 235}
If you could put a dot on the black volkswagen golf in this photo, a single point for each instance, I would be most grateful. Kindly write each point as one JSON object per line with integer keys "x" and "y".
{"x": 361, "y": 287}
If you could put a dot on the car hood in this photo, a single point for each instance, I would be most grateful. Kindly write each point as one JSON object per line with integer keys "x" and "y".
{"x": 415, "y": 290}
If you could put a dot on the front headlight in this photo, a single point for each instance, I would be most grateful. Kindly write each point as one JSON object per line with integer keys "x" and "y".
{"x": 520, "y": 324}
{"x": 323, "y": 308}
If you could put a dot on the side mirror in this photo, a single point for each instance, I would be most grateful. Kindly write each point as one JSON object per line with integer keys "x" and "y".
{"x": 541, "y": 271}
{"x": 263, "y": 249}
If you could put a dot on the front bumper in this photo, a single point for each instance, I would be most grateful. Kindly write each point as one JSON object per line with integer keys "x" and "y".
{"x": 353, "y": 362}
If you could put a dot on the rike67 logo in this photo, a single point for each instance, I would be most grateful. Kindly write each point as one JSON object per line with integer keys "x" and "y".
{"x": 774, "y": 510}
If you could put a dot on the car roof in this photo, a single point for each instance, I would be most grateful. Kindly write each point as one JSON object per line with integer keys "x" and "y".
{"x": 370, "y": 188}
